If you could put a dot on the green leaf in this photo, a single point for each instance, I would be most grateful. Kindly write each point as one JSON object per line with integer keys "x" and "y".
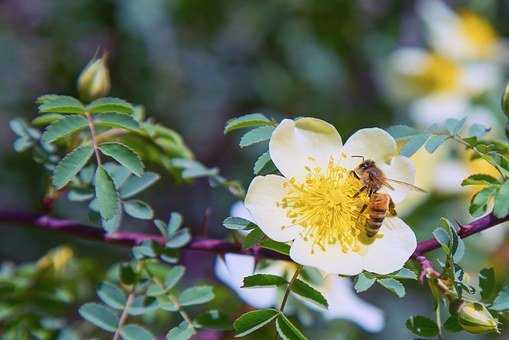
{"x": 478, "y": 130}
{"x": 404, "y": 273}
{"x": 363, "y": 282}
{"x": 173, "y": 276}
{"x": 253, "y": 238}
{"x": 307, "y": 292}
{"x": 479, "y": 179}
{"x": 80, "y": 195}
{"x": 264, "y": 165}
{"x": 260, "y": 134}
{"x": 183, "y": 331}
{"x": 162, "y": 227}
{"x": 196, "y": 295}
{"x": 112, "y": 295}
{"x": 174, "y": 223}
{"x": 46, "y": 119}
{"x": 441, "y": 235}
{"x": 452, "y": 324}
{"x": 135, "y": 185}
{"x": 434, "y": 142}
{"x": 487, "y": 283}
{"x": 422, "y": 326}
{"x": 238, "y": 223}
{"x": 127, "y": 274}
{"x": 249, "y": 120}
{"x": 109, "y": 104}
{"x": 263, "y": 280}
{"x": 393, "y": 285}
{"x": 179, "y": 239}
{"x": 501, "y": 302}
{"x": 278, "y": 247}
{"x": 70, "y": 165}
{"x": 414, "y": 144}
{"x": 454, "y": 126}
{"x": 501, "y": 208}
{"x": 59, "y": 104}
{"x": 116, "y": 120}
{"x": 251, "y": 321}
{"x": 138, "y": 209}
{"x": 287, "y": 330}
{"x": 124, "y": 156}
{"x": 479, "y": 202}
{"x": 99, "y": 315}
{"x": 135, "y": 332}
{"x": 402, "y": 131}
{"x": 63, "y": 127}
{"x": 213, "y": 319}
{"x": 107, "y": 195}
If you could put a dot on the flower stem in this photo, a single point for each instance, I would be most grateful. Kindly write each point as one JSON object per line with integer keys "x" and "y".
{"x": 481, "y": 154}
{"x": 289, "y": 287}
{"x": 123, "y": 317}
{"x": 93, "y": 137}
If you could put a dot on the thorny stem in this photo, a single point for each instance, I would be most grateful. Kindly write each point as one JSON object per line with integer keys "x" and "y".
{"x": 93, "y": 137}
{"x": 123, "y": 317}
{"x": 289, "y": 287}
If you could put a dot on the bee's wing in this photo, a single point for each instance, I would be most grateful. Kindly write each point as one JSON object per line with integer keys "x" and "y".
{"x": 405, "y": 184}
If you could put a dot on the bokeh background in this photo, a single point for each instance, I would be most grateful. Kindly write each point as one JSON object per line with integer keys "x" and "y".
{"x": 195, "y": 64}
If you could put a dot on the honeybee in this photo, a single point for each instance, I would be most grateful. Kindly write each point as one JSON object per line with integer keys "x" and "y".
{"x": 380, "y": 205}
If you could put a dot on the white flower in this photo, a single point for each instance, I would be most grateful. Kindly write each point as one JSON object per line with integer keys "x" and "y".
{"x": 343, "y": 302}
{"x": 317, "y": 204}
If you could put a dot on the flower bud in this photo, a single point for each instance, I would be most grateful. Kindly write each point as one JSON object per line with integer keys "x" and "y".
{"x": 94, "y": 80}
{"x": 505, "y": 101}
{"x": 475, "y": 318}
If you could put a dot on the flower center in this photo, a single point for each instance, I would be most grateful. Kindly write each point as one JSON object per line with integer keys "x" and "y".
{"x": 479, "y": 32}
{"x": 328, "y": 206}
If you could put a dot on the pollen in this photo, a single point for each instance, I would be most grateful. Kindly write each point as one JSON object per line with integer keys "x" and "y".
{"x": 328, "y": 205}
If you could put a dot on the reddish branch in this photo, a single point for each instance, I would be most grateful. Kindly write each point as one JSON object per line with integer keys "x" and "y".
{"x": 45, "y": 222}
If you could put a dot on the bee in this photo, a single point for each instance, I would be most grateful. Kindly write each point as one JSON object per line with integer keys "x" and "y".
{"x": 380, "y": 205}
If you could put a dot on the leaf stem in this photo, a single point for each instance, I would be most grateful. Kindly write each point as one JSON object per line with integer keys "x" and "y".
{"x": 93, "y": 137}
{"x": 123, "y": 317}
{"x": 289, "y": 287}
{"x": 481, "y": 154}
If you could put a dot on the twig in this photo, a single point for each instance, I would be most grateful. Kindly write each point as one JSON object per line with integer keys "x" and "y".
{"x": 289, "y": 287}
{"x": 123, "y": 317}
{"x": 93, "y": 137}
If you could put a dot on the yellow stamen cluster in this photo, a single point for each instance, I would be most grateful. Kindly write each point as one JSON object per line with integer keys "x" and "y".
{"x": 440, "y": 74}
{"x": 326, "y": 206}
{"x": 479, "y": 32}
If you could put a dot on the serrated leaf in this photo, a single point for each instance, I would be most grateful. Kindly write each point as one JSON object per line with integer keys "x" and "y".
{"x": 80, "y": 195}
{"x": 118, "y": 173}
{"x": 116, "y": 120}
{"x": 107, "y": 195}
{"x": 179, "y": 239}
{"x": 112, "y": 295}
{"x": 501, "y": 208}
{"x": 413, "y": 144}
{"x": 422, "y": 326}
{"x": 135, "y": 185}
{"x": 479, "y": 202}
{"x": 70, "y": 165}
{"x": 363, "y": 282}
{"x": 251, "y": 321}
{"x": 63, "y": 127}
{"x": 60, "y": 104}
{"x": 394, "y": 286}
{"x": 404, "y": 273}
{"x": 245, "y": 121}
{"x": 402, "y": 131}
{"x": 487, "y": 282}
{"x": 135, "y": 332}
{"x": 307, "y": 292}
{"x": 124, "y": 155}
{"x": 257, "y": 135}
{"x": 183, "y": 331}
{"x": 238, "y": 223}
{"x": 47, "y": 119}
{"x": 174, "y": 223}
{"x": 196, "y": 295}
{"x": 138, "y": 209}
{"x": 263, "y": 280}
{"x": 213, "y": 319}
{"x": 99, "y": 315}
{"x": 454, "y": 126}
{"x": 264, "y": 165}
{"x": 442, "y": 236}
{"x": 254, "y": 236}
{"x": 479, "y": 179}
{"x": 287, "y": 330}
{"x": 434, "y": 142}
{"x": 279, "y": 247}
{"x": 109, "y": 104}
{"x": 501, "y": 302}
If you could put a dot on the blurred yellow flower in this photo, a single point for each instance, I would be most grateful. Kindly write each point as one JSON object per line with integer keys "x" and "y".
{"x": 56, "y": 259}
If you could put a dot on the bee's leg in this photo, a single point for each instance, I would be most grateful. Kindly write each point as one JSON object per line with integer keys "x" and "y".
{"x": 392, "y": 209}
{"x": 355, "y": 174}
{"x": 359, "y": 192}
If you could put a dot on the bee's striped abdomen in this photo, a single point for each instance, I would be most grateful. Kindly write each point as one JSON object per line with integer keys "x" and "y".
{"x": 378, "y": 206}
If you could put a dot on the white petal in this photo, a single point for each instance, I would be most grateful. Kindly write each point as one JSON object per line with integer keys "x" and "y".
{"x": 239, "y": 210}
{"x": 332, "y": 260}
{"x": 401, "y": 169}
{"x": 389, "y": 253}
{"x": 306, "y": 142}
{"x": 373, "y": 143}
{"x": 345, "y": 304}
{"x": 232, "y": 274}
{"x": 261, "y": 200}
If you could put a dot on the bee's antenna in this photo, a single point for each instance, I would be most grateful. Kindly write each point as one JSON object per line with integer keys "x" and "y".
{"x": 357, "y": 156}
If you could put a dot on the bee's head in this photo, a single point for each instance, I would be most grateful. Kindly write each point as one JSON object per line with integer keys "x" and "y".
{"x": 366, "y": 164}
